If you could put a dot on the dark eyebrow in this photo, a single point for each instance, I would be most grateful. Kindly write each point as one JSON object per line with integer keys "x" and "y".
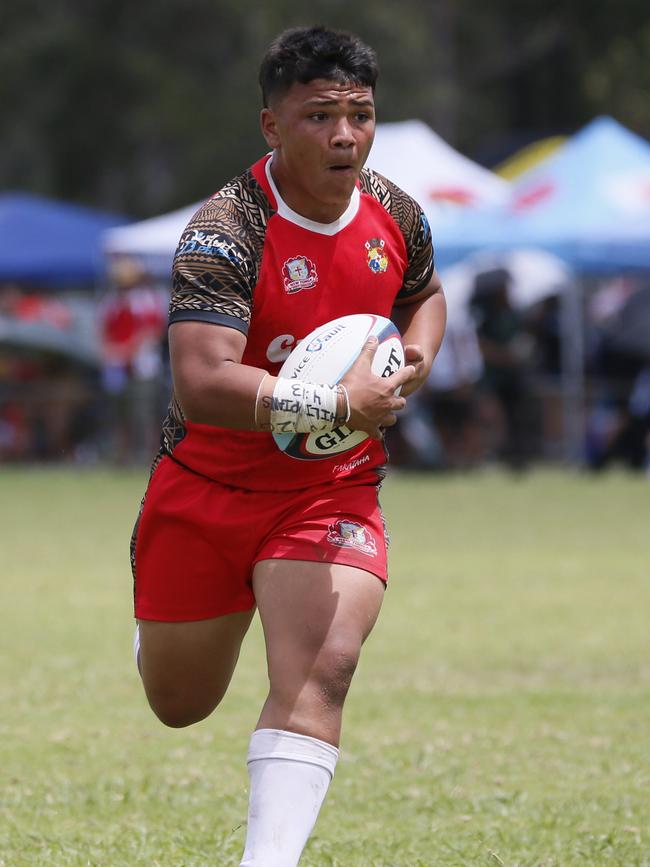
{"x": 317, "y": 101}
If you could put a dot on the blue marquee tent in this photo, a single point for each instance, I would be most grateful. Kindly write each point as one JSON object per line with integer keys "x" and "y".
{"x": 50, "y": 243}
{"x": 589, "y": 203}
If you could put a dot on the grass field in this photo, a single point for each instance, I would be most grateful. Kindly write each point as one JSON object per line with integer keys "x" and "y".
{"x": 500, "y": 715}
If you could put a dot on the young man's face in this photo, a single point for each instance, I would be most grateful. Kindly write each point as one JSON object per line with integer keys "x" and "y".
{"x": 321, "y": 133}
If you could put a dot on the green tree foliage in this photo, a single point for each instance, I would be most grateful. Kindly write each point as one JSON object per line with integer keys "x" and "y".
{"x": 145, "y": 106}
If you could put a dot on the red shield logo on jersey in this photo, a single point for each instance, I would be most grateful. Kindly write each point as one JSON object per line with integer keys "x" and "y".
{"x": 299, "y": 273}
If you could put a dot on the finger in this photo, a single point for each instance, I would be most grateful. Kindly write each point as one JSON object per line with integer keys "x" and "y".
{"x": 369, "y": 350}
{"x": 389, "y": 420}
{"x": 402, "y": 376}
{"x": 398, "y": 404}
{"x": 409, "y": 388}
{"x": 413, "y": 353}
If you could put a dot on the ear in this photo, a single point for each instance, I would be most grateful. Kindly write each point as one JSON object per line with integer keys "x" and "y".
{"x": 269, "y": 127}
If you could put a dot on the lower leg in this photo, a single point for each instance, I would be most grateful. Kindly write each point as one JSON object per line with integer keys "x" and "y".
{"x": 289, "y": 775}
{"x": 313, "y": 704}
{"x": 293, "y": 753}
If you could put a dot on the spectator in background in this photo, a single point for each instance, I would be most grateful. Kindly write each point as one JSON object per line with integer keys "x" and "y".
{"x": 543, "y": 323}
{"x": 610, "y": 374}
{"x": 439, "y": 429}
{"x": 452, "y": 384}
{"x": 618, "y": 424}
{"x": 506, "y": 350}
{"x": 15, "y": 430}
{"x": 132, "y": 323}
{"x": 44, "y": 390}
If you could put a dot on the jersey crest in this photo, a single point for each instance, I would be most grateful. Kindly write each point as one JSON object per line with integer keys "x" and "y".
{"x": 299, "y": 273}
{"x": 377, "y": 258}
{"x": 349, "y": 534}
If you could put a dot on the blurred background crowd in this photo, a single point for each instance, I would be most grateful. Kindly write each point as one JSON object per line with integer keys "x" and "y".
{"x": 522, "y": 129}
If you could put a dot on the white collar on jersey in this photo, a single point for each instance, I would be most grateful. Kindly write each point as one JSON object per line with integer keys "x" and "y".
{"x": 311, "y": 225}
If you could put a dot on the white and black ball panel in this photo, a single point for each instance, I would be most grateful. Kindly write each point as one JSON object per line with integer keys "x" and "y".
{"x": 324, "y": 356}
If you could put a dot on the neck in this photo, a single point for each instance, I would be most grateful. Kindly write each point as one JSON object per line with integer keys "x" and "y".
{"x": 301, "y": 202}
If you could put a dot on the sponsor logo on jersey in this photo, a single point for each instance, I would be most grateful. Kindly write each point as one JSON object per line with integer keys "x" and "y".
{"x": 349, "y": 534}
{"x": 351, "y": 465}
{"x": 377, "y": 258}
{"x": 279, "y": 349}
{"x": 299, "y": 273}
{"x": 210, "y": 245}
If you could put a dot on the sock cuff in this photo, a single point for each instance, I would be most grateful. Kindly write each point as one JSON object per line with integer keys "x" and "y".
{"x": 292, "y": 747}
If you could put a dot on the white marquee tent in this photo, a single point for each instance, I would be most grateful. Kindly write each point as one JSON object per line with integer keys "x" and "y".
{"x": 440, "y": 178}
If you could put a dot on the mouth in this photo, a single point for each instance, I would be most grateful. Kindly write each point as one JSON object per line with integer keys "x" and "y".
{"x": 342, "y": 169}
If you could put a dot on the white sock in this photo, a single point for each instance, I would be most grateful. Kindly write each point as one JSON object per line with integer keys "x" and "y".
{"x": 136, "y": 646}
{"x": 289, "y": 775}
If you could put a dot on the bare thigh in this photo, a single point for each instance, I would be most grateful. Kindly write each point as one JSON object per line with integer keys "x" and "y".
{"x": 186, "y": 667}
{"x": 315, "y": 617}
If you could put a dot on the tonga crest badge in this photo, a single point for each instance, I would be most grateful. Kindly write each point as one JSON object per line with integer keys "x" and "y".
{"x": 377, "y": 258}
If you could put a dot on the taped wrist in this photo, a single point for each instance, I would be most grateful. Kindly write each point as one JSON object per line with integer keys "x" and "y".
{"x": 305, "y": 407}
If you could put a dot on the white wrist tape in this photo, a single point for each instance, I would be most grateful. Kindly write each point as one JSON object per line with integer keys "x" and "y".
{"x": 303, "y": 407}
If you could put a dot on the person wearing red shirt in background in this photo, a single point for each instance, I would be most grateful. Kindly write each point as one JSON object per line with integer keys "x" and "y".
{"x": 131, "y": 326}
{"x": 229, "y": 522}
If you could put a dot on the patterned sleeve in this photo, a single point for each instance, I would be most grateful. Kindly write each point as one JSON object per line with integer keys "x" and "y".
{"x": 217, "y": 260}
{"x": 414, "y": 226}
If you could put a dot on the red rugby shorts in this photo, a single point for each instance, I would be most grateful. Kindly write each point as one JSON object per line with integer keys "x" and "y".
{"x": 196, "y": 541}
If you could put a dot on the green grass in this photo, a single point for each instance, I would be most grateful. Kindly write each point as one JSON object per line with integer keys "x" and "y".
{"x": 499, "y": 716}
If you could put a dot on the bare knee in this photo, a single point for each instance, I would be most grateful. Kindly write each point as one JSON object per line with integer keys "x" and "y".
{"x": 180, "y": 702}
{"x": 175, "y": 718}
{"x": 321, "y": 679}
{"x": 177, "y": 710}
{"x": 333, "y": 673}
{"x": 186, "y": 667}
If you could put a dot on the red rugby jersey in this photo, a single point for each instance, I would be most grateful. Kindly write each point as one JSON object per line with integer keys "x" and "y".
{"x": 247, "y": 261}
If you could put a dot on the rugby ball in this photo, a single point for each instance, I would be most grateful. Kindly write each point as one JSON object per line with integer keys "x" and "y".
{"x": 324, "y": 356}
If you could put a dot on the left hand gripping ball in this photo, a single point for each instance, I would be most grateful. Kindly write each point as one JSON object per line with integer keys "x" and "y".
{"x": 324, "y": 357}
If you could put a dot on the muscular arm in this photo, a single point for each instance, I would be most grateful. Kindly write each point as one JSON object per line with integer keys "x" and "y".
{"x": 421, "y": 322}
{"x": 210, "y": 382}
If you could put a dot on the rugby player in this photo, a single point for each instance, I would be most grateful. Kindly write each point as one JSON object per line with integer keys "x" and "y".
{"x": 229, "y": 523}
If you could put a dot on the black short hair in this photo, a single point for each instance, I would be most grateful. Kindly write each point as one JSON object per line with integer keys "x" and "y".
{"x": 303, "y": 54}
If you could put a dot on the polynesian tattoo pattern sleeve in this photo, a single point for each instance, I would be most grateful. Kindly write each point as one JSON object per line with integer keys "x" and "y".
{"x": 218, "y": 257}
{"x": 215, "y": 270}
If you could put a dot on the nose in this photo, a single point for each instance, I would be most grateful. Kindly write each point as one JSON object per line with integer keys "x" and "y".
{"x": 343, "y": 137}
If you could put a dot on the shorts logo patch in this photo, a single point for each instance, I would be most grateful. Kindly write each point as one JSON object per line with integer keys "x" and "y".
{"x": 377, "y": 258}
{"x": 299, "y": 273}
{"x": 349, "y": 534}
